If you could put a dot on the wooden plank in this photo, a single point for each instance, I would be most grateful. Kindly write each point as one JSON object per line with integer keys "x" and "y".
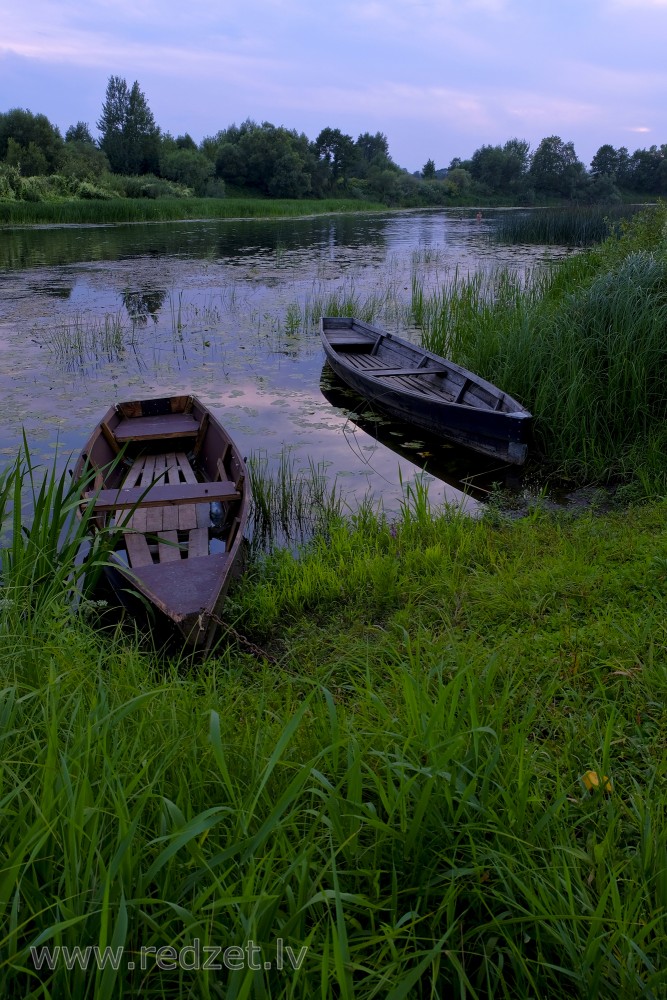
{"x": 197, "y": 543}
{"x": 186, "y": 469}
{"x": 201, "y": 434}
{"x": 381, "y": 372}
{"x": 138, "y": 519}
{"x": 220, "y": 464}
{"x": 187, "y": 517}
{"x": 161, "y": 495}
{"x": 170, "y": 513}
{"x": 349, "y": 343}
{"x": 135, "y": 472}
{"x": 462, "y": 391}
{"x": 168, "y": 425}
{"x": 109, "y": 437}
{"x": 203, "y": 515}
{"x": 154, "y": 516}
{"x": 167, "y": 547}
{"x": 137, "y": 549}
{"x": 233, "y": 531}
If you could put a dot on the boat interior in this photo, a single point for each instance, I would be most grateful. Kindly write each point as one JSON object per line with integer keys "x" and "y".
{"x": 381, "y": 358}
{"x": 179, "y": 492}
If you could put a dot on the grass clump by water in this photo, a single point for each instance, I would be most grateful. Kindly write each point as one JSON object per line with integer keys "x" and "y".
{"x": 578, "y": 226}
{"x": 290, "y": 505}
{"x": 397, "y": 800}
{"x": 582, "y": 348}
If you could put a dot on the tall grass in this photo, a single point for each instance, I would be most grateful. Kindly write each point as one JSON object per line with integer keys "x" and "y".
{"x": 579, "y": 226}
{"x": 400, "y": 795}
{"x": 121, "y": 210}
{"x": 583, "y": 348}
{"x": 50, "y": 559}
{"x": 290, "y": 504}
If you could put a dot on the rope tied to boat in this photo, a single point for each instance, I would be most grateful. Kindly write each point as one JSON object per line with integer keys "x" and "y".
{"x": 243, "y": 641}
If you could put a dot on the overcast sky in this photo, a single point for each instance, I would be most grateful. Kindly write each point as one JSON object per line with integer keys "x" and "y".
{"x": 439, "y": 77}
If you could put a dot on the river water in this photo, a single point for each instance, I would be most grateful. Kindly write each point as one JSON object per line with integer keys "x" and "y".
{"x": 228, "y": 310}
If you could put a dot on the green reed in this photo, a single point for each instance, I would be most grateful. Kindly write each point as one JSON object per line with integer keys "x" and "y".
{"x": 83, "y": 339}
{"x": 50, "y": 558}
{"x": 290, "y": 504}
{"x": 581, "y": 346}
{"x": 579, "y": 226}
{"x": 121, "y": 210}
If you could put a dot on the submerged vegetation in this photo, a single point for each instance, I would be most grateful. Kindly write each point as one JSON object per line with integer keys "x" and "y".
{"x": 447, "y": 779}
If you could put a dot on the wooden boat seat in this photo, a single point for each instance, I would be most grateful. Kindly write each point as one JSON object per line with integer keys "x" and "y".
{"x": 160, "y": 495}
{"x": 381, "y": 372}
{"x": 355, "y": 344}
{"x": 167, "y": 425}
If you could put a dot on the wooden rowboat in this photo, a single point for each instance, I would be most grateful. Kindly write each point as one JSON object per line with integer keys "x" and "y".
{"x": 169, "y": 476}
{"x": 426, "y": 390}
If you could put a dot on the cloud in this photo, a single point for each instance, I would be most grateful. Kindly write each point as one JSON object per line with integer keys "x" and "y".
{"x": 640, "y": 3}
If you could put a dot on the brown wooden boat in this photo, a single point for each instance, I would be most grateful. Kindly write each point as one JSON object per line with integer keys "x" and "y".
{"x": 169, "y": 476}
{"x": 426, "y": 390}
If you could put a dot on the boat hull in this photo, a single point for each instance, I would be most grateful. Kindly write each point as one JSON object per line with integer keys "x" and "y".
{"x": 163, "y": 471}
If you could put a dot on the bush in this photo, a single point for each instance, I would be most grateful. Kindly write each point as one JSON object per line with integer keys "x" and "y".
{"x": 87, "y": 190}
{"x": 10, "y": 182}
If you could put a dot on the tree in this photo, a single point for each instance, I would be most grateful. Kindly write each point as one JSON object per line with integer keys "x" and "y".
{"x": 129, "y": 136}
{"x": 605, "y": 163}
{"x": 185, "y": 141}
{"x": 79, "y": 133}
{"x": 501, "y": 169}
{"x": 29, "y": 160}
{"x": 338, "y": 150}
{"x": 36, "y": 144}
{"x": 646, "y": 170}
{"x": 428, "y": 170}
{"x": 555, "y": 169}
{"x": 143, "y": 135}
{"x": 112, "y": 124}
{"x": 188, "y": 167}
{"x": 371, "y": 151}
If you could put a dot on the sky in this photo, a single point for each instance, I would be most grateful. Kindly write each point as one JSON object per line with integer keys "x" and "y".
{"x": 439, "y": 78}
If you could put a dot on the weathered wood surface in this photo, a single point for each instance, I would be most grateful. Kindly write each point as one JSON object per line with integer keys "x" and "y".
{"x": 168, "y": 425}
{"x": 161, "y": 495}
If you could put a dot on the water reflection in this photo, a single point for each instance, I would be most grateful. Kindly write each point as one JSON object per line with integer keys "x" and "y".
{"x": 229, "y": 310}
{"x": 143, "y": 304}
{"x": 463, "y": 469}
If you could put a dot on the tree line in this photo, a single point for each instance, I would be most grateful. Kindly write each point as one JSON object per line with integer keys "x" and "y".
{"x": 276, "y": 162}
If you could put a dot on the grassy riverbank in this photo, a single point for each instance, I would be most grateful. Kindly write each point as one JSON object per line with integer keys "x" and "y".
{"x": 397, "y": 787}
{"x": 119, "y": 210}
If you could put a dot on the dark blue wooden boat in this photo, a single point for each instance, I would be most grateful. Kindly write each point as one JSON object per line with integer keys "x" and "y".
{"x": 426, "y": 390}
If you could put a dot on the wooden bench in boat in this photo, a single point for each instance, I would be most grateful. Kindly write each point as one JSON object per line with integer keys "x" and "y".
{"x": 344, "y": 343}
{"x": 168, "y": 425}
{"x": 372, "y": 366}
{"x": 161, "y": 495}
{"x": 161, "y": 498}
{"x": 381, "y": 372}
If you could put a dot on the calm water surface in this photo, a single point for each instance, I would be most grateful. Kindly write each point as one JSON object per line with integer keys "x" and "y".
{"x": 228, "y": 310}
